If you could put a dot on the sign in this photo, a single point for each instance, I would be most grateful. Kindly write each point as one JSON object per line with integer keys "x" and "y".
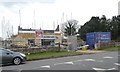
{"x": 39, "y": 34}
{"x": 49, "y": 36}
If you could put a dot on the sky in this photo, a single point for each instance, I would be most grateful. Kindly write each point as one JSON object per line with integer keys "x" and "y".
{"x": 47, "y": 14}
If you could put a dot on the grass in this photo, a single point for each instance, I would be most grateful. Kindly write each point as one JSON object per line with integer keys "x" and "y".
{"x": 111, "y": 48}
{"x": 54, "y": 54}
{"x": 47, "y": 55}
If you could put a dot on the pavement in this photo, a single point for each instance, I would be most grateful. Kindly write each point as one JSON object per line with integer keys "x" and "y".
{"x": 91, "y": 51}
{"x": 101, "y": 61}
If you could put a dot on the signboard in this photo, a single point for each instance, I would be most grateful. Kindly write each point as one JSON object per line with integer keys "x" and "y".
{"x": 49, "y": 36}
{"x": 104, "y": 37}
{"x": 97, "y": 37}
{"x": 39, "y": 34}
{"x": 48, "y": 32}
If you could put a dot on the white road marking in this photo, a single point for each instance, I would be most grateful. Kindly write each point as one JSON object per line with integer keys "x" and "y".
{"x": 111, "y": 69}
{"x": 117, "y": 64}
{"x": 68, "y": 62}
{"x": 47, "y": 66}
{"x": 107, "y": 57}
{"x": 98, "y": 69}
{"x": 64, "y": 63}
{"x": 103, "y": 69}
{"x": 89, "y": 59}
{"x": 78, "y": 60}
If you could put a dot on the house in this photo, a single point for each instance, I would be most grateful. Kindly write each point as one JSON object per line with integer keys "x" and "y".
{"x": 36, "y": 37}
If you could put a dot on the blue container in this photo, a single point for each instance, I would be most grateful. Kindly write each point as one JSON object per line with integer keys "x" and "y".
{"x": 95, "y": 37}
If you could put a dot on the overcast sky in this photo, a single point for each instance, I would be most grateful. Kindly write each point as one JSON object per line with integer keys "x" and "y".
{"x": 47, "y": 12}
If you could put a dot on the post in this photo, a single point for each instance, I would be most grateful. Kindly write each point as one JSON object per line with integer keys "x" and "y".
{"x": 59, "y": 46}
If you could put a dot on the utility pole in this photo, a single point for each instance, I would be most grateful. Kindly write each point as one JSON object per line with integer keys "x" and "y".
{"x": 12, "y": 31}
{"x": 3, "y": 23}
{"x": 3, "y": 34}
{"x": 54, "y": 30}
{"x": 34, "y": 19}
{"x": 20, "y": 17}
{"x": 71, "y": 15}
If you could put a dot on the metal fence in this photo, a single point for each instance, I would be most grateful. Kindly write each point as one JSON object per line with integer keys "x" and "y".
{"x": 111, "y": 44}
{"x": 35, "y": 50}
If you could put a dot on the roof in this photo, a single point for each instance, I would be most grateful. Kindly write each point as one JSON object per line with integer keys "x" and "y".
{"x": 26, "y": 31}
{"x": 30, "y": 29}
{"x": 50, "y": 31}
{"x": 57, "y": 29}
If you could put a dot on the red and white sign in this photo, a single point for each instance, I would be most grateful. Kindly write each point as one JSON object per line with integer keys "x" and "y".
{"x": 39, "y": 34}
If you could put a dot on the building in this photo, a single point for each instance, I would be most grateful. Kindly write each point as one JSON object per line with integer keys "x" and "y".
{"x": 58, "y": 35}
{"x": 36, "y": 37}
{"x": 1, "y": 41}
{"x": 48, "y": 38}
{"x": 18, "y": 41}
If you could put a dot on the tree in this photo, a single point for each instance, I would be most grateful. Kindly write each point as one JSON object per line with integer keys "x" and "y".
{"x": 90, "y": 26}
{"x": 103, "y": 24}
{"x": 96, "y": 24}
{"x": 114, "y": 28}
{"x": 70, "y": 28}
{"x": 118, "y": 21}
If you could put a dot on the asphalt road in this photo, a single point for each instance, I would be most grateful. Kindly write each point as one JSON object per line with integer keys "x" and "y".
{"x": 102, "y": 61}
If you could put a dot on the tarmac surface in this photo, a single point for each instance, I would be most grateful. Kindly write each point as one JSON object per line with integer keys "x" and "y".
{"x": 103, "y": 61}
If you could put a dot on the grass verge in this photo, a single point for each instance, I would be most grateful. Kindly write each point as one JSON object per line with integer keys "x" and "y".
{"x": 54, "y": 54}
{"x": 47, "y": 55}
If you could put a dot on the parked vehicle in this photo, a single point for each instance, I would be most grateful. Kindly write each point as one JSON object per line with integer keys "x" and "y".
{"x": 9, "y": 57}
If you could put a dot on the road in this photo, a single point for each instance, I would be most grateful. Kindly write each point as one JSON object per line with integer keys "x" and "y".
{"x": 101, "y": 61}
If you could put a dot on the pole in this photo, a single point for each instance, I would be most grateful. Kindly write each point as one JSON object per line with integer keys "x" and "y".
{"x": 54, "y": 30}
{"x": 34, "y": 19}
{"x": 3, "y": 23}
{"x": 12, "y": 31}
{"x": 71, "y": 15}
{"x": 20, "y": 17}
{"x": 63, "y": 17}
